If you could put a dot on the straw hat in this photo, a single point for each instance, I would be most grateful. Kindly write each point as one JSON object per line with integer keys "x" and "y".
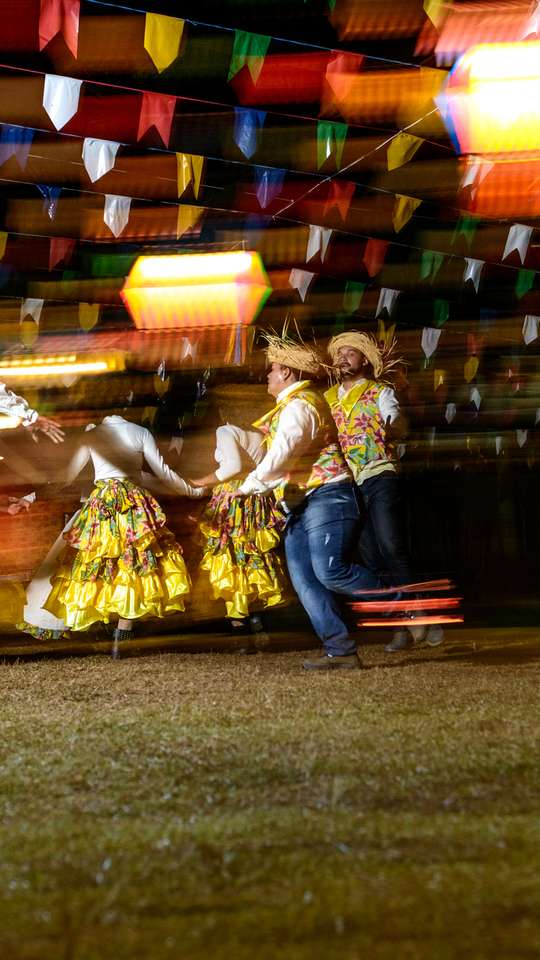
{"x": 298, "y": 356}
{"x": 382, "y": 360}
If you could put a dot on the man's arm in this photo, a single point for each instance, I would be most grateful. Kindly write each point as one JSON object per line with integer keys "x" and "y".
{"x": 390, "y": 410}
{"x": 298, "y": 426}
{"x": 17, "y": 406}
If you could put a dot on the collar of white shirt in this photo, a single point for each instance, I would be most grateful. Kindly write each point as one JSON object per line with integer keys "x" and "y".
{"x": 292, "y": 386}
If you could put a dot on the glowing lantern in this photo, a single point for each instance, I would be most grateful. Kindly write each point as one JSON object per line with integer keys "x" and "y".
{"x": 196, "y": 290}
{"x": 491, "y": 101}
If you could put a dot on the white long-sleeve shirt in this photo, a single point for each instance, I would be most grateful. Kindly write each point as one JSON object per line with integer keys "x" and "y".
{"x": 117, "y": 449}
{"x": 15, "y": 406}
{"x": 297, "y": 429}
{"x": 237, "y": 450}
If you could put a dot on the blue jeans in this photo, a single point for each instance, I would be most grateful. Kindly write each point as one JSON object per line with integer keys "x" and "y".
{"x": 321, "y": 538}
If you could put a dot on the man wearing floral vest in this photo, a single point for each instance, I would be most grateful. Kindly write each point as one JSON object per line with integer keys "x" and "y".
{"x": 368, "y": 418}
{"x": 305, "y": 460}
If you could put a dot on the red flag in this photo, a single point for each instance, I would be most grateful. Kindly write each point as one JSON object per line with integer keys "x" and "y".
{"x": 374, "y": 255}
{"x": 157, "y": 110}
{"x": 340, "y": 195}
{"x": 60, "y": 16}
{"x": 60, "y": 249}
{"x": 475, "y": 344}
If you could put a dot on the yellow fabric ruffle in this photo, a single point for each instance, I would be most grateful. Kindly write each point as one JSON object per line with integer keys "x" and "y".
{"x": 12, "y": 601}
{"x": 129, "y": 595}
{"x": 242, "y": 588}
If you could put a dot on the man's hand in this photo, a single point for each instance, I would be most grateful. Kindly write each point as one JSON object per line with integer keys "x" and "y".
{"x": 51, "y": 428}
{"x": 16, "y": 505}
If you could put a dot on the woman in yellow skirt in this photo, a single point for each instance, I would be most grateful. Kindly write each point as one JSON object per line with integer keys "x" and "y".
{"x": 241, "y": 535}
{"x": 120, "y": 562}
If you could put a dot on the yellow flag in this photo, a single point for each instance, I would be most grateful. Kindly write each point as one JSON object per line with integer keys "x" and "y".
{"x": 149, "y": 415}
{"x": 162, "y": 38}
{"x": 88, "y": 315}
{"x": 401, "y": 149}
{"x": 471, "y": 366}
{"x": 161, "y": 386}
{"x": 189, "y": 170}
{"x": 435, "y": 10}
{"x": 188, "y": 217}
{"x": 439, "y": 377}
{"x": 3, "y": 241}
{"x": 29, "y": 332}
{"x": 404, "y": 208}
{"x": 385, "y": 334}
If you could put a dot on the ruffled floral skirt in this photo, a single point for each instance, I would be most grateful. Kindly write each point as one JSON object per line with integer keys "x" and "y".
{"x": 120, "y": 560}
{"x": 241, "y": 537}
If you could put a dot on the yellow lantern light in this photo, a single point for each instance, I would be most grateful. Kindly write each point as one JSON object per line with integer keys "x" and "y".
{"x": 491, "y": 101}
{"x": 196, "y": 290}
{"x": 69, "y": 365}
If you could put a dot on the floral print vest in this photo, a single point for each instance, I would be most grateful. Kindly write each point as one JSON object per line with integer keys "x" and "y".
{"x": 324, "y": 460}
{"x": 360, "y": 426}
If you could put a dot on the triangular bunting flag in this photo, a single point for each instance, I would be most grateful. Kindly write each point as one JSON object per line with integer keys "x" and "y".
{"x": 340, "y": 194}
{"x": 352, "y": 297}
{"x": 60, "y": 16}
{"x": 319, "y": 238}
{"x": 471, "y": 368}
{"x": 61, "y": 98}
{"x": 387, "y": 301}
{"x": 116, "y": 213}
{"x": 374, "y": 254}
{"x": 436, "y": 10}
{"x": 269, "y": 181}
{"x": 430, "y": 340}
{"x": 518, "y": 239}
{"x": 498, "y": 445}
{"x": 60, "y": 249}
{"x": 176, "y": 444}
{"x": 404, "y": 208}
{"x": 439, "y": 377}
{"x": 3, "y": 242}
{"x": 162, "y": 39}
{"x": 466, "y": 227}
{"x": 15, "y": 142}
{"x": 524, "y": 282}
{"x": 521, "y": 437}
{"x": 157, "y": 110}
{"x": 99, "y": 157}
{"x": 401, "y": 149}
{"x": 188, "y": 218}
{"x": 247, "y": 124}
{"x": 330, "y": 140}
{"x": 530, "y": 328}
{"x": 189, "y": 170}
{"x": 450, "y": 412}
{"x": 340, "y": 73}
{"x": 475, "y": 172}
{"x": 88, "y": 315}
{"x": 385, "y": 335}
{"x": 441, "y": 312}
{"x": 51, "y": 196}
{"x": 476, "y": 397}
{"x": 301, "y": 280}
{"x": 250, "y": 49}
{"x": 430, "y": 264}
{"x": 473, "y": 269}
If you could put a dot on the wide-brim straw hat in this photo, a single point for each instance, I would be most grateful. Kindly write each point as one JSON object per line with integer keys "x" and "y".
{"x": 301, "y": 357}
{"x": 383, "y": 360}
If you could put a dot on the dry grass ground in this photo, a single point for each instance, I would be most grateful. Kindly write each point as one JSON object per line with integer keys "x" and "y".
{"x": 189, "y": 806}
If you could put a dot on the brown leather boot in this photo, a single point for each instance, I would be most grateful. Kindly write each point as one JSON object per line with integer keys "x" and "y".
{"x": 327, "y": 662}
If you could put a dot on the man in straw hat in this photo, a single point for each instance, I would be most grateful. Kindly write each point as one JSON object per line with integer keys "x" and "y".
{"x": 322, "y": 526}
{"x": 368, "y": 418}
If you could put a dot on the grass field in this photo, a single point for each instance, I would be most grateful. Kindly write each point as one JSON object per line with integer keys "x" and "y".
{"x": 188, "y": 806}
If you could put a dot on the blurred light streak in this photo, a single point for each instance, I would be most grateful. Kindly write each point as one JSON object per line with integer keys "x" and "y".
{"x": 9, "y": 423}
{"x": 284, "y": 78}
{"x": 29, "y": 368}
{"x": 377, "y": 96}
{"x": 196, "y": 290}
{"x": 468, "y": 24}
{"x": 377, "y": 19}
{"x": 510, "y": 188}
{"x": 431, "y": 603}
{"x": 407, "y": 622}
{"x": 491, "y": 101}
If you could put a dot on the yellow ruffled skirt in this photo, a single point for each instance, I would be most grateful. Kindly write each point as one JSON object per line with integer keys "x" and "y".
{"x": 120, "y": 561}
{"x": 241, "y": 537}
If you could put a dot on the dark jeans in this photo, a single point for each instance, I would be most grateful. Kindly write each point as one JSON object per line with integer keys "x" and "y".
{"x": 321, "y": 541}
{"x": 382, "y": 541}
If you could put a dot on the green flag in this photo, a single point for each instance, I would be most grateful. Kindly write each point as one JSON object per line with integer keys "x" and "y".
{"x": 430, "y": 264}
{"x": 250, "y": 49}
{"x": 524, "y": 282}
{"x": 441, "y": 312}
{"x": 466, "y": 227}
{"x": 352, "y": 297}
{"x": 330, "y": 139}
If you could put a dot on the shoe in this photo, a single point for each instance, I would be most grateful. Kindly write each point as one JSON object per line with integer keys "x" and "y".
{"x": 241, "y": 630}
{"x": 435, "y": 636}
{"x": 401, "y": 640}
{"x": 418, "y": 634}
{"x": 260, "y": 636}
{"x": 326, "y": 662}
{"x": 117, "y": 636}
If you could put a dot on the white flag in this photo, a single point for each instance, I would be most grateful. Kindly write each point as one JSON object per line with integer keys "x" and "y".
{"x": 188, "y": 349}
{"x": 475, "y": 173}
{"x": 476, "y": 397}
{"x": 498, "y": 445}
{"x": 61, "y": 98}
{"x": 518, "y": 239}
{"x": 31, "y": 308}
{"x": 99, "y": 157}
{"x": 521, "y": 436}
{"x": 450, "y": 412}
{"x": 176, "y": 444}
{"x": 530, "y": 328}
{"x": 116, "y": 213}
{"x": 473, "y": 269}
{"x": 387, "y": 301}
{"x": 430, "y": 340}
{"x": 301, "y": 280}
{"x": 319, "y": 238}
{"x": 401, "y": 450}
